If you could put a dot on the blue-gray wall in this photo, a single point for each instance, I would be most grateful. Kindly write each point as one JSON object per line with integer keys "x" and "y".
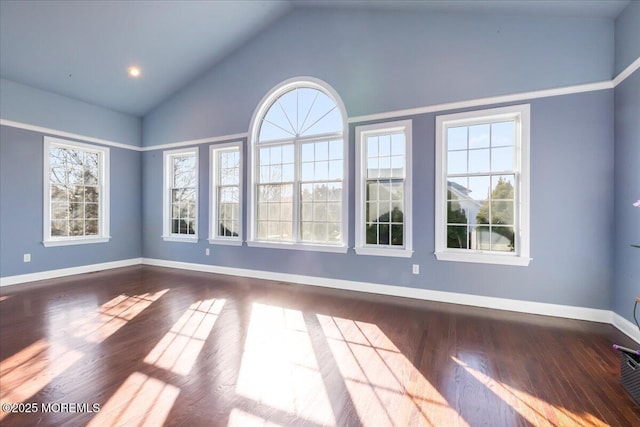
{"x": 383, "y": 60}
{"x": 626, "y": 191}
{"x": 25, "y": 104}
{"x": 21, "y": 209}
{"x": 627, "y": 36}
{"x": 571, "y": 217}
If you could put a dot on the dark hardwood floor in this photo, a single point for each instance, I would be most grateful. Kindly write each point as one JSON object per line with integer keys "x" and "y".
{"x": 154, "y": 346}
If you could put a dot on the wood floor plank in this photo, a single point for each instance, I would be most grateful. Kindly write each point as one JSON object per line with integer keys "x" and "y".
{"x": 157, "y": 346}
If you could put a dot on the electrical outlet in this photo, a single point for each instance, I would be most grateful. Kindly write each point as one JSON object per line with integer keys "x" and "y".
{"x": 206, "y": 252}
{"x": 416, "y": 268}
{"x": 27, "y": 257}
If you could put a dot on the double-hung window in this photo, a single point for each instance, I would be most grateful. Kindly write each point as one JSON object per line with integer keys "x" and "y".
{"x": 482, "y": 186}
{"x": 180, "y": 195}
{"x": 298, "y": 169}
{"x": 383, "y": 190}
{"x": 76, "y": 193}
{"x": 226, "y": 194}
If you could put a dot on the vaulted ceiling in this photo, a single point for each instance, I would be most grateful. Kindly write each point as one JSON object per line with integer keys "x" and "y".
{"x": 82, "y": 49}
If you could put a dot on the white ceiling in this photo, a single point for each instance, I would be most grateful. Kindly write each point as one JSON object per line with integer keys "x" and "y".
{"x": 81, "y": 49}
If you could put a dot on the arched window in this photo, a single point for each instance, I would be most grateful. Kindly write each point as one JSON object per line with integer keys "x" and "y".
{"x": 298, "y": 195}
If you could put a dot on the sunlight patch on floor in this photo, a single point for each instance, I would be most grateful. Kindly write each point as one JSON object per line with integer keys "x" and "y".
{"x": 112, "y": 315}
{"x": 536, "y": 413}
{"x": 178, "y": 350}
{"x": 140, "y": 401}
{"x": 30, "y": 370}
{"x": 385, "y": 387}
{"x": 279, "y": 368}
{"x": 239, "y": 418}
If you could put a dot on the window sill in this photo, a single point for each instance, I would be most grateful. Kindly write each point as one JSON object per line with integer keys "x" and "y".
{"x": 388, "y": 252}
{"x": 228, "y": 242}
{"x": 193, "y": 239}
{"x": 298, "y": 246}
{"x": 483, "y": 258}
{"x": 74, "y": 241}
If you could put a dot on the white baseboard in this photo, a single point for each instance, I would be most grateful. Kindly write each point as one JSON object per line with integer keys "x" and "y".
{"x": 571, "y": 312}
{"x": 530, "y": 307}
{"x": 52, "y": 274}
{"x": 626, "y": 327}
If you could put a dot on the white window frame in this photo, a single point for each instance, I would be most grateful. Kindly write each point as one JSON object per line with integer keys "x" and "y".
{"x": 362, "y": 132}
{"x": 167, "y": 235}
{"x": 252, "y": 165}
{"x": 103, "y": 219}
{"x": 521, "y": 115}
{"x": 214, "y": 238}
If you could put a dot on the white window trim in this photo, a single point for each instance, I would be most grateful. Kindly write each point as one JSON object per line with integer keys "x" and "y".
{"x": 361, "y": 248}
{"x": 167, "y": 235}
{"x": 47, "y": 239}
{"x": 213, "y": 199}
{"x": 521, "y": 113}
{"x": 252, "y": 146}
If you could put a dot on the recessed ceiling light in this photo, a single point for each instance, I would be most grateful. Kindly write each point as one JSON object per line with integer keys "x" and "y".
{"x": 134, "y": 71}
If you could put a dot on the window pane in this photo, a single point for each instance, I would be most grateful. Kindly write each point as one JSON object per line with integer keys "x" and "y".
{"x": 457, "y": 162}
{"x": 397, "y": 213}
{"x": 306, "y": 231}
{"x": 288, "y": 173}
{"x": 503, "y": 159}
{"x": 334, "y": 212}
{"x": 76, "y": 227}
{"x": 334, "y": 233}
{"x": 457, "y": 237}
{"x": 276, "y": 155}
{"x": 502, "y": 133}
{"x": 503, "y": 239}
{"x": 372, "y": 234}
{"x": 287, "y": 154}
{"x": 58, "y": 175}
{"x": 397, "y": 238}
{"x": 322, "y": 117}
{"x": 372, "y": 146}
{"x": 91, "y": 210}
{"x": 335, "y": 150}
{"x": 321, "y": 151}
{"x": 334, "y": 191}
{"x": 479, "y": 136}
{"x": 76, "y": 210}
{"x": 60, "y": 211}
{"x": 502, "y": 212}
{"x": 455, "y": 213}
{"x": 502, "y": 187}
{"x": 383, "y": 234}
{"x": 59, "y": 228}
{"x": 335, "y": 170}
{"x": 91, "y": 194}
{"x": 457, "y": 138}
{"x": 479, "y": 161}
{"x": 271, "y": 132}
{"x": 480, "y": 238}
{"x": 307, "y": 212}
{"x": 397, "y": 144}
{"x": 319, "y": 232}
{"x": 478, "y": 189}
{"x": 91, "y": 227}
{"x": 372, "y": 212}
{"x": 264, "y": 156}
{"x": 384, "y": 145}
{"x": 319, "y": 212}
{"x": 397, "y": 190}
